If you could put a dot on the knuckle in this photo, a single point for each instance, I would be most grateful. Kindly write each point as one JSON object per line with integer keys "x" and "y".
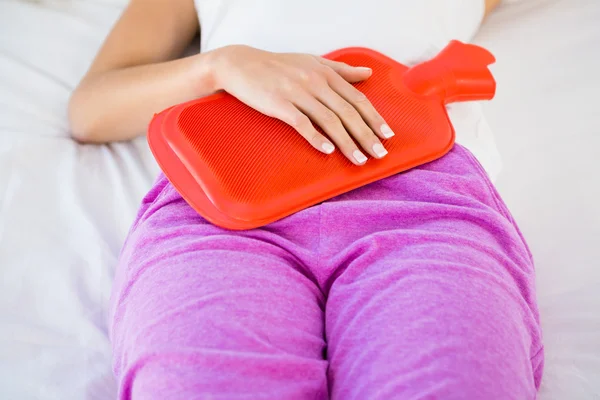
{"x": 347, "y": 110}
{"x": 305, "y": 76}
{"x": 287, "y": 85}
{"x": 329, "y": 117}
{"x": 299, "y": 121}
{"x": 309, "y": 77}
{"x": 364, "y": 135}
{"x": 359, "y": 97}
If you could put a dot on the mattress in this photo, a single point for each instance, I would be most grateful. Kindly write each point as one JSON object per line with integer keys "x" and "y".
{"x": 65, "y": 208}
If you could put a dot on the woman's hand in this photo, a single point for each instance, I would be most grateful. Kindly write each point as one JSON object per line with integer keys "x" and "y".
{"x": 298, "y": 88}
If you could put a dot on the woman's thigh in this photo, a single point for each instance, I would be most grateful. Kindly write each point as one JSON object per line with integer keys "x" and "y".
{"x": 201, "y": 312}
{"x": 433, "y": 294}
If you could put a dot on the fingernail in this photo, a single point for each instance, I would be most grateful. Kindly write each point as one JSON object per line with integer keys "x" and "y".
{"x": 386, "y": 131}
{"x": 365, "y": 69}
{"x": 327, "y": 147}
{"x": 379, "y": 150}
{"x": 360, "y": 157}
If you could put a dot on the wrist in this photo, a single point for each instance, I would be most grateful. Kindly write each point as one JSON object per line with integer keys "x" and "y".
{"x": 204, "y": 73}
{"x": 220, "y": 61}
{"x": 214, "y": 63}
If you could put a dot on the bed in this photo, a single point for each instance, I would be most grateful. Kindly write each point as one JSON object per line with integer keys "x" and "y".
{"x": 65, "y": 208}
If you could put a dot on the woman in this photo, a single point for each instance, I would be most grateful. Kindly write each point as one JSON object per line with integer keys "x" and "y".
{"x": 416, "y": 286}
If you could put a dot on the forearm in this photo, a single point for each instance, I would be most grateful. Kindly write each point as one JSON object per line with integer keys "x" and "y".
{"x": 118, "y": 104}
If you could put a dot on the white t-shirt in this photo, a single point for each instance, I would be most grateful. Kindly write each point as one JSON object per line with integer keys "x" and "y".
{"x": 410, "y": 31}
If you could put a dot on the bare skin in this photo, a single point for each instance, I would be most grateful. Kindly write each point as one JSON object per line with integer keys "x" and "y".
{"x": 138, "y": 72}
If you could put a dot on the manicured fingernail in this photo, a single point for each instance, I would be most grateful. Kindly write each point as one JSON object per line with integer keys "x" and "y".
{"x": 379, "y": 150}
{"x": 386, "y": 131}
{"x": 327, "y": 147}
{"x": 365, "y": 69}
{"x": 360, "y": 157}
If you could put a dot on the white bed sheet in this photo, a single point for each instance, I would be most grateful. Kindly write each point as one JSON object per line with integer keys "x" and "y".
{"x": 65, "y": 209}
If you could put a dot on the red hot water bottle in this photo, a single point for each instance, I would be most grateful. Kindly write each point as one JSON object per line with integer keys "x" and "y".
{"x": 240, "y": 169}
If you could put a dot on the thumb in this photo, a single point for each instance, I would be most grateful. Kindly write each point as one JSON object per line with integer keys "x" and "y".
{"x": 348, "y": 72}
